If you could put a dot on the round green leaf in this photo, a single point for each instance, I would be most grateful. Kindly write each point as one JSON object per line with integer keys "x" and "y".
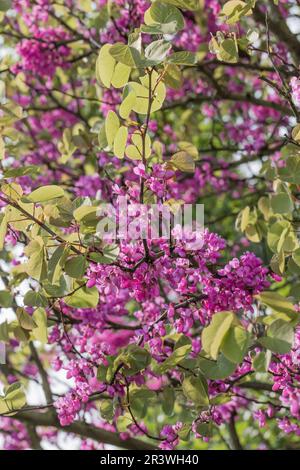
{"x": 112, "y": 125}
{"x": 46, "y": 193}
{"x": 195, "y": 389}
{"x": 214, "y": 334}
{"x": 105, "y": 66}
{"x": 235, "y": 344}
{"x": 120, "y": 142}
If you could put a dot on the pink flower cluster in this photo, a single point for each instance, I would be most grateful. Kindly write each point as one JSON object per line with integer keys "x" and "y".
{"x": 69, "y": 405}
{"x": 236, "y": 284}
{"x": 47, "y": 50}
{"x": 295, "y": 86}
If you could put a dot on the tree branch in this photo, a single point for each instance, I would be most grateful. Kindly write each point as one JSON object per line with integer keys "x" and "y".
{"x": 281, "y": 30}
{"x": 234, "y": 441}
{"x": 84, "y": 430}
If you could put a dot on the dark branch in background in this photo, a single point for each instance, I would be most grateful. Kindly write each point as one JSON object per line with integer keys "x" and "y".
{"x": 234, "y": 441}
{"x": 225, "y": 96}
{"x": 34, "y": 437}
{"x": 84, "y": 430}
{"x": 43, "y": 374}
{"x": 280, "y": 29}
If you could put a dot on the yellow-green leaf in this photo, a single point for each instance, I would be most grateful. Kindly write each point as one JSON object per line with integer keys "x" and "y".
{"x": 105, "y": 66}
{"x": 214, "y": 334}
{"x": 46, "y": 193}
{"x": 121, "y": 75}
{"x": 40, "y": 333}
{"x": 112, "y": 125}
{"x": 120, "y": 142}
{"x": 127, "y": 104}
{"x": 126, "y": 55}
{"x": 183, "y": 161}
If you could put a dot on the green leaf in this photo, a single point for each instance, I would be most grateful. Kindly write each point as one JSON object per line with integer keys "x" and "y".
{"x": 127, "y": 104}
{"x": 280, "y": 337}
{"x": 277, "y": 263}
{"x": 46, "y": 193}
{"x": 296, "y": 133}
{"x": 173, "y": 76}
{"x": 5, "y": 5}
{"x": 4, "y": 332}
{"x": 3, "y": 230}
{"x": 217, "y": 370}
{"x": 107, "y": 410}
{"x": 175, "y": 358}
{"x": 105, "y": 66}
{"x": 220, "y": 399}
{"x": 204, "y": 429}
{"x": 14, "y": 398}
{"x": 157, "y": 29}
{"x": 228, "y": 51}
{"x": 121, "y": 75}
{"x": 125, "y": 54}
{"x": 276, "y": 235}
{"x": 140, "y": 401}
{"x": 36, "y": 266}
{"x": 134, "y": 359}
{"x": 135, "y": 151}
{"x": 235, "y": 344}
{"x": 123, "y": 422}
{"x": 19, "y": 333}
{"x": 76, "y": 266}
{"x": 85, "y": 214}
{"x": 182, "y": 58}
{"x": 66, "y": 146}
{"x": 264, "y": 207}
{"x": 291, "y": 172}
{"x": 261, "y": 361}
{"x": 276, "y": 302}
{"x": 157, "y": 51}
{"x": 102, "y": 140}
{"x": 35, "y": 299}
{"x": 253, "y": 233}
{"x": 162, "y": 14}
{"x": 184, "y": 432}
{"x": 245, "y": 216}
{"x": 168, "y": 402}
{"x": 6, "y": 299}
{"x": 110, "y": 254}
{"x": 142, "y": 94}
{"x": 40, "y": 333}
{"x": 56, "y": 264}
{"x": 214, "y": 334}
{"x": 120, "y": 142}
{"x": 184, "y": 4}
{"x": 183, "y": 161}
{"x": 281, "y": 203}
{"x": 83, "y": 298}
{"x": 56, "y": 290}
{"x": 25, "y": 320}
{"x": 29, "y": 170}
{"x": 112, "y": 125}
{"x": 105, "y": 372}
{"x": 195, "y": 389}
{"x": 235, "y": 9}
{"x": 296, "y": 256}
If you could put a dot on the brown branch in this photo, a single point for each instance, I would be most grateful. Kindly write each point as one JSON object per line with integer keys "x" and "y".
{"x": 84, "y": 430}
{"x": 43, "y": 374}
{"x": 234, "y": 441}
{"x": 247, "y": 98}
{"x": 34, "y": 437}
{"x": 280, "y": 29}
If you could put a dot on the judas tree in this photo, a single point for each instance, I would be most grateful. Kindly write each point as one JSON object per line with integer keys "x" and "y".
{"x": 189, "y": 340}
